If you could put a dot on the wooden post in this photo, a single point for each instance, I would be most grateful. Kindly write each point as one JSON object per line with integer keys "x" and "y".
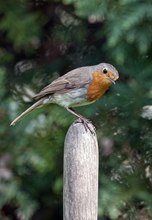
{"x": 80, "y": 189}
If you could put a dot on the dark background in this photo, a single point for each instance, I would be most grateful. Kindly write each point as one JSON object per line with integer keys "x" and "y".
{"x": 40, "y": 40}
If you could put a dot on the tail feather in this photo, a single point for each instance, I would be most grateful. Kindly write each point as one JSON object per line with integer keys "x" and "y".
{"x": 36, "y": 104}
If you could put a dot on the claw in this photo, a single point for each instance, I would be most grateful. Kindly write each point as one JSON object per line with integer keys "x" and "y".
{"x": 82, "y": 120}
{"x": 86, "y": 123}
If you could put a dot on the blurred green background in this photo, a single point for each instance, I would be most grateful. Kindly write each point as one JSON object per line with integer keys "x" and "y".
{"x": 42, "y": 39}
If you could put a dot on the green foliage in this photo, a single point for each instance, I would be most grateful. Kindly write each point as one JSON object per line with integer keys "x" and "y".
{"x": 39, "y": 41}
{"x": 127, "y": 23}
{"x": 21, "y": 26}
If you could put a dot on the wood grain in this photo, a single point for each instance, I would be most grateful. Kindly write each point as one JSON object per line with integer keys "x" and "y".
{"x": 80, "y": 190}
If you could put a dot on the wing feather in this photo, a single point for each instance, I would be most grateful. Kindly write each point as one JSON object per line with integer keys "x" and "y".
{"x": 73, "y": 79}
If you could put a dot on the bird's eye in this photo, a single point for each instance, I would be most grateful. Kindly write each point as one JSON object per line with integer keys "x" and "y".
{"x": 105, "y": 71}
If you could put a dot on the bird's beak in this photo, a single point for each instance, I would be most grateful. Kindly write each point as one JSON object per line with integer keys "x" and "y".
{"x": 111, "y": 80}
{"x": 112, "y": 76}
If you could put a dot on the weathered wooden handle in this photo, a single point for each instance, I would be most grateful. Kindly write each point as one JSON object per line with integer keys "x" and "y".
{"x": 80, "y": 190}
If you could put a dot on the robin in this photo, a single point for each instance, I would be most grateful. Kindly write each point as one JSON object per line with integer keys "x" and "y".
{"x": 81, "y": 86}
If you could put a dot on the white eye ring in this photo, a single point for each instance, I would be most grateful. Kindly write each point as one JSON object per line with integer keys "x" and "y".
{"x": 104, "y": 70}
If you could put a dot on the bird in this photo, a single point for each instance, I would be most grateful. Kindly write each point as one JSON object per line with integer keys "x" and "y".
{"x": 78, "y": 87}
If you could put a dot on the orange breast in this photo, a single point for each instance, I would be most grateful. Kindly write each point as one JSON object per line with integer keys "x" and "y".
{"x": 98, "y": 86}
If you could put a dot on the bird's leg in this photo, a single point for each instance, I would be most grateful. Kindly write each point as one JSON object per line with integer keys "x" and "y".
{"x": 84, "y": 120}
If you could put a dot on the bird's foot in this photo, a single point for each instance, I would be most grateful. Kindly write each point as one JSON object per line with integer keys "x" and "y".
{"x": 87, "y": 124}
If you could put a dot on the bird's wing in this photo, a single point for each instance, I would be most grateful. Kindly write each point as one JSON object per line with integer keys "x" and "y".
{"x": 73, "y": 79}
